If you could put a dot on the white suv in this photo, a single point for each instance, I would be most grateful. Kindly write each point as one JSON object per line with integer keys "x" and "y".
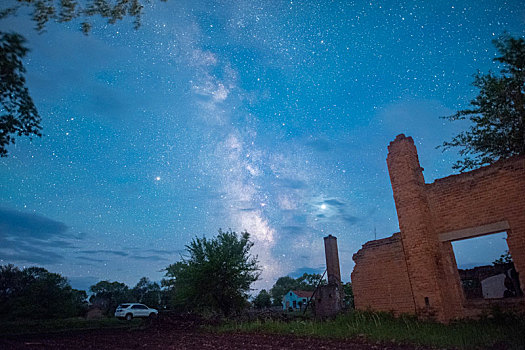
{"x": 130, "y": 310}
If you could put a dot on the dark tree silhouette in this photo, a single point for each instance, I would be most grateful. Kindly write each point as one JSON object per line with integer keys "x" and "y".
{"x": 147, "y": 292}
{"x": 108, "y": 295}
{"x": 62, "y": 11}
{"x": 18, "y": 114}
{"x": 36, "y": 293}
{"x": 498, "y": 113}
{"x": 262, "y": 300}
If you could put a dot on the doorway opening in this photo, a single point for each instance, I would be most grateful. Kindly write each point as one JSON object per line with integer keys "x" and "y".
{"x": 485, "y": 267}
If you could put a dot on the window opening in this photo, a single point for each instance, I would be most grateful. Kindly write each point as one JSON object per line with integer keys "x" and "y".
{"x": 485, "y": 267}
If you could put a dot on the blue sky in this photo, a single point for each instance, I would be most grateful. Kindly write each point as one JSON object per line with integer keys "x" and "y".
{"x": 269, "y": 116}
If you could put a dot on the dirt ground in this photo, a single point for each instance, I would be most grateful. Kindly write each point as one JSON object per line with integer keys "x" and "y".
{"x": 180, "y": 333}
{"x": 148, "y": 339}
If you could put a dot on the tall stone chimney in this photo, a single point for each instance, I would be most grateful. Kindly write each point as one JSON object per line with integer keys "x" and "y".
{"x": 329, "y": 298}
{"x": 332, "y": 260}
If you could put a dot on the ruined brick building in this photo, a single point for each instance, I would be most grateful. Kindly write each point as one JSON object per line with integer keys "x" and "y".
{"x": 415, "y": 271}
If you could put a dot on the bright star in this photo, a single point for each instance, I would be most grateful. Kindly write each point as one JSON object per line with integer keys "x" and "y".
{"x": 157, "y": 178}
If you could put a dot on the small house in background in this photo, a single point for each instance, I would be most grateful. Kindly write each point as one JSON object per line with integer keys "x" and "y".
{"x": 296, "y": 299}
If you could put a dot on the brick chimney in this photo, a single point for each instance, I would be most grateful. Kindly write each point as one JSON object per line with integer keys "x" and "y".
{"x": 329, "y": 298}
{"x": 332, "y": 260}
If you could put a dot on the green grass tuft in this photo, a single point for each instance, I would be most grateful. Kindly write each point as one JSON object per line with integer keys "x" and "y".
{"x": 378, "y": 326}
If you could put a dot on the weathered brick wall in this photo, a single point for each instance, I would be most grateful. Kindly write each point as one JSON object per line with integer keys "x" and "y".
{"x": 485, "y": 196}
{"x": 479, "y": 197}
{"x": 380, "y": 277}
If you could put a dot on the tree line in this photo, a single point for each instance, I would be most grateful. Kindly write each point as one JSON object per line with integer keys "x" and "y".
{"x": 215, "y": 275}
{"x": 35, "y": 293}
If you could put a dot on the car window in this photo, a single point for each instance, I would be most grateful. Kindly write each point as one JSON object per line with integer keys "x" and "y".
{"x": 142, "y": 307}
{"x": 136, "y": 307}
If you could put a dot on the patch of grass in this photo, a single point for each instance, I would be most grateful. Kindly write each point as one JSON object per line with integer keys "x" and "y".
{"x": 377, "y": 326}
{"x": 62, "y": 325}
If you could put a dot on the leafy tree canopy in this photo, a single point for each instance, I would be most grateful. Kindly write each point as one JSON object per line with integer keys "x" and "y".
{"x": 36, "y": 293}
{"x": 497, "y": 113}
{"x": 281, "y": 287}
{"x": 61, "y": 11}
{"x": 349, "y": 295}
{"x": 108, "y": 295}
{"x": 147, "y": 292}
{"x": 309, "y": 281}
{"x": 216, "y": 274}
{"x": 262, "y": 300}
{"x": 504, "y": 258}
{"x": 18, "y": 114}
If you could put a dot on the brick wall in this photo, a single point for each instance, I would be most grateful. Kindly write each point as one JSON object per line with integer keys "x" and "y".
{"x": 380, "y": 277}
{"x": 485, "y": 196}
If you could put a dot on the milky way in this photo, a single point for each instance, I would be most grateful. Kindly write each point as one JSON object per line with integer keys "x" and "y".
{"x": 271, "y": 117}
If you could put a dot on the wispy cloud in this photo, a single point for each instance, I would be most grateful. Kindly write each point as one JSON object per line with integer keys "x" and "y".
{"x": 104, "y": 251}
{"x": 90, "y": 259}
{"x": 294, "y": 184}
{"x": 149, "y": 258}
{"x": 320, "y": 145}
{"x": 306, "y": 269}
{"x": 334, "y": 202}
{"x": 32, "y": 238}
{"x": 293, "y": 230}
{"x": 19, "y": 224}
{"x": 162, "y": 252}
{"x": 24, "y": 252}
{"x": 83, "y": 282}
{"x": 334, "y": 209}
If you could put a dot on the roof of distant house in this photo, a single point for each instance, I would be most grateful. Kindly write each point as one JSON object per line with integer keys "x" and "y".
{"x": 303, "y": 293}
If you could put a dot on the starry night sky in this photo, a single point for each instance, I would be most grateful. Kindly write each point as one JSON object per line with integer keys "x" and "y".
{"x": 267, "y": 116}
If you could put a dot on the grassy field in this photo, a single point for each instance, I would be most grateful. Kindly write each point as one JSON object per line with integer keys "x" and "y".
{"x": 502, "y": 329}
{"x": 507, "y": 331}
{"x": 63, "y": 325}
